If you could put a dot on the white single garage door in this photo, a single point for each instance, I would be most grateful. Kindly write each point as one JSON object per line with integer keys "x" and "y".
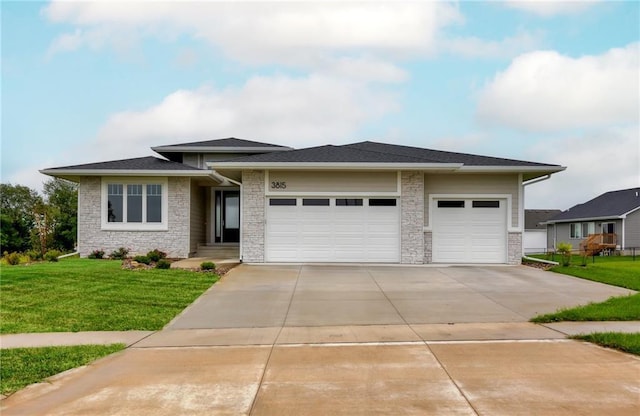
{"x": 469, "y": 231}
{"x": 333, "y": 230}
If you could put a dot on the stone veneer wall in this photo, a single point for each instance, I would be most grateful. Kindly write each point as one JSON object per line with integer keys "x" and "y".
{"x": 174, "y": 241}
{"x": 412, "y": 218}
{"x": 514, "y": 250}
{"x": 253, "y": 216}
{"x": 428, "y": 247}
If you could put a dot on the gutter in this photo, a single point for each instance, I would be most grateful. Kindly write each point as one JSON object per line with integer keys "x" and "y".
{"x": 531, "y": 182}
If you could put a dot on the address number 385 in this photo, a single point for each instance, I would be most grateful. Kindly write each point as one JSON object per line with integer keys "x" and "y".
{"x": 278, "y": 185}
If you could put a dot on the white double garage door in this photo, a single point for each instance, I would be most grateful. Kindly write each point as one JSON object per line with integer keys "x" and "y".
{"x": 334, "y": 229}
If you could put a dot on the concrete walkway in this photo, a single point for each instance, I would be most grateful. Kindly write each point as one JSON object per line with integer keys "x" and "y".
{"x": 290, "y": 340}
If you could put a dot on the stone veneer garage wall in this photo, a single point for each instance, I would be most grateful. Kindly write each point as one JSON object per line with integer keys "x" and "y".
{"x": 253, "y": 216}
{"x": 174, "y": 241}
{"x": 412, "y": 218}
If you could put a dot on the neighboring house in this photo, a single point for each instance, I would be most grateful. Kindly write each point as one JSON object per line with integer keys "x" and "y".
{"x": 361, "y": 202}
{"x": 535, "y": 230}
{"x": 615, "y": 213}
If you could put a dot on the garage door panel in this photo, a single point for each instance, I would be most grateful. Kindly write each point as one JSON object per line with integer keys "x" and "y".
{"x": 469, "y": 234}
{"x": 356, "y": 233}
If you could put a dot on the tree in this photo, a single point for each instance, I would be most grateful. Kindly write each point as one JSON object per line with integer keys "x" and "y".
{"x": 61, "y": 217}
{"x": 17, "y": 203}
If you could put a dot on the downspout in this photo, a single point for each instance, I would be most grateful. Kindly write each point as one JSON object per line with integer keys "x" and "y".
{"x": 223, "y": 178}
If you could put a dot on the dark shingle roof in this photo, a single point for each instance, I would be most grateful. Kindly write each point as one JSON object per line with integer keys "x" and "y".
{"x": 329, "y": 154}
{"x": 140, "y": 163}
{"x": 439, "y": 156}
{"x": 228, "y": 142}
{"x": 609, "y": 204}
{"x": 372, "y": 152}
{"x": 533, "y": 218}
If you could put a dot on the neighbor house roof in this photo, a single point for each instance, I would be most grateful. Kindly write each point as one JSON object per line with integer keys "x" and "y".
{"x": 380, "y": 155}
{"x": 534, "y": 218}
{"x": 614, "y": 204}
{"x": 228, "y": 145}
{"x": 148, "y": 166}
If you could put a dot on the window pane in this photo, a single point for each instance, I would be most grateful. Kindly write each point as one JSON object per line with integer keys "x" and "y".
{"x": 114, "y": 202}
{"x": 154, "y": 203}
{"x": 382, "y": 202}
{"x": 134, "y": 203}
{"x": 486, "y": 204}
{"x": 592, "y": 228}
{"x": 349, "y": 202}
{"x": 315, "y": 202}
{"x": 232, "y": 211}
{"x": 282, "y": 202}
{"x": 450, "y": 204}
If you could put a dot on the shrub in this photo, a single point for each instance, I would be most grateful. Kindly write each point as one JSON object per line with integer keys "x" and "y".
{"x": 52, "y": 255}
{"x": 33, "y": 255}
{"x": 156, "y": 255}
{"x": 142, "y": 259}
{"x": 96, "y": 254}
{"x": 565, "y": 251}
{"x": 120, "y": 254}
{"x": 163, "y": 264}
{"x": 11, "y": 258}
{"x": 208, "y": 265}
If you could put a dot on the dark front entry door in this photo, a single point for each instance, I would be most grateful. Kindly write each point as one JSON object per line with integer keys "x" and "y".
{"x": 230, "y": 216}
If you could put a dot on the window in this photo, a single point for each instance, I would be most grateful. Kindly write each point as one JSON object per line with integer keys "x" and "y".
{"x": 450, "y": 204}
{"x": 582, "y": 229}
{"x": 315, "y": 202}
{"x": 486, "y": 204}
{"x": 348, "y": 202}
{"x": 282, "y": 202}
{"x": 382, "y": 202}
{"x": 134, "y": 204}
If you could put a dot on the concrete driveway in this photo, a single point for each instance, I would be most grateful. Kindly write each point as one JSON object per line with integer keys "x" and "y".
{"x": 303, "y": 296}
{"x": 349, "y": 340}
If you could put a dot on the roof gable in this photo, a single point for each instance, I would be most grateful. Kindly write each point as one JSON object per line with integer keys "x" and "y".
{"x": 608, "y": 205}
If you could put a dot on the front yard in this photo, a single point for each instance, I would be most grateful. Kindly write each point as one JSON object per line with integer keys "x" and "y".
{"x": 94, "y": 295}
{"x": 617, "y": 271}
{"x": 84, "y": 295}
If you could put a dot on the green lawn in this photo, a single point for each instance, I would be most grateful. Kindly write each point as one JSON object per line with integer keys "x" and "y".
{"x": 624, "y": 342}
{"x": 20, "y": 367}
{"x": 613, "y": 270}
{"x": 93, "y": 295}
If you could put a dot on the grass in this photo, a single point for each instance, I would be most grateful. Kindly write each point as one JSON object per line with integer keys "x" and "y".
{"x": 624, "y": 342}
{"x": 612, "y": 270}
{"x": 621, "y": 308}
{"x": 93, "y": 295}
{"x": 20, "y": 367}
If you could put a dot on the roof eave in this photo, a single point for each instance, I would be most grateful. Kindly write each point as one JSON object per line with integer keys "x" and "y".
{"x": 604, "y": 217}
{"x": 61, "y": 173}
{"x": 220, "y": 149}
{"x": 335, "y": 165}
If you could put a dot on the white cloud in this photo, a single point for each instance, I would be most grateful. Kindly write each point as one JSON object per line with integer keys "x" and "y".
{"x": 473, "y": 47}
{"x": 598, "y": 162}
{"x": 294, "y": 111}
{"x": 548, "y": 8}
{"x": 546, "y": 91}
{"x": 297, "y": 33}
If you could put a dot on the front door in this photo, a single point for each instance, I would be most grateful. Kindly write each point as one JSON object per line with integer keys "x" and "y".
{"x": 230, "y": 216}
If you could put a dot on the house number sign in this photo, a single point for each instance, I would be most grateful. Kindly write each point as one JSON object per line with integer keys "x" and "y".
{"x": 278, "y": 185}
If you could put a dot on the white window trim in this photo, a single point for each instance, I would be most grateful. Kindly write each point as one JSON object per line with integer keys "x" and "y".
{"x": 134, "y": 226}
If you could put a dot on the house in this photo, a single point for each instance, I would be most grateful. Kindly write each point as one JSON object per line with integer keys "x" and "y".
{"x": 613, "y": 218}
{"x": 360, "y": 202}
{"x": 535, "y": 230}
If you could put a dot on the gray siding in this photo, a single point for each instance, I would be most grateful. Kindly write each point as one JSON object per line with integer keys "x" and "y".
{"x": 199, "y": 160}
{"x": 174, "y": 241}
{"x": 632, "y": 230}
{"x": 303, "y": 181}
{"x": 198, "y": 233}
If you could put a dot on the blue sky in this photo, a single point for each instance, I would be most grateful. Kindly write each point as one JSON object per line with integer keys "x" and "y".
{"x": 554, "y": 82}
